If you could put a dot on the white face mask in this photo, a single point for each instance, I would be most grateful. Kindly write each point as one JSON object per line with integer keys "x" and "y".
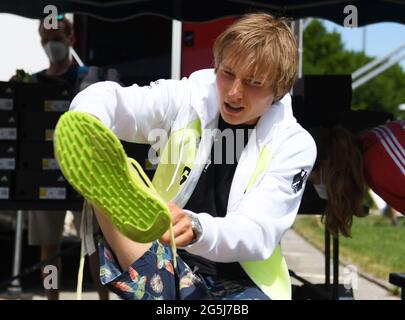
{"x": 321, "y": 189}
{"x": 56, "y": 51}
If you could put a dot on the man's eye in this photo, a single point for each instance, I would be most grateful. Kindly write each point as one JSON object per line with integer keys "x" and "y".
{"x": 228, "y": 73}
{"x": 254, "y": 83}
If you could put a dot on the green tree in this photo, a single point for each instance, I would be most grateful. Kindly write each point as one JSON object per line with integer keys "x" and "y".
{"x": 325, "y": 53}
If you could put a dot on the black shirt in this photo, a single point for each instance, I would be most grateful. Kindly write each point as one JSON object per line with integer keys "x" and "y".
{"x": 212, "y": 192}
{"x": 70, "y": 77}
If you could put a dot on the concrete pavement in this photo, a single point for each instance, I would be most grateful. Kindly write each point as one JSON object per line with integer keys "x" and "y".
{"x": 308, "y": 262}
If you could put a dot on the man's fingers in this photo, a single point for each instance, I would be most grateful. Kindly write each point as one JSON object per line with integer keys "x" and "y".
{"x": 165, "y": 238}
{"x": 180, "y": 240}
{"x": 183, "y": 240}
{"x": 182, "y": 230}
{"x": 171, "y": 206}
{"x": 177, "y": 213}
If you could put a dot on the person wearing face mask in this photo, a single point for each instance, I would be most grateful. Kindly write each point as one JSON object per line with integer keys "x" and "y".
{"x": 45, "y": 228}
{"x": 62, "y": 69}
{"x": 346, "y": 164}
{"x": 56, "y": 44}
{"x": 57, "y": 51}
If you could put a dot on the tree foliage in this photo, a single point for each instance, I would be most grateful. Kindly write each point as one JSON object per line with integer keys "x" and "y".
{"x": 325, "y": 53}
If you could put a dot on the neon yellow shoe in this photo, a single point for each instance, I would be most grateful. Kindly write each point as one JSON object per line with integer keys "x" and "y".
{"x": 94, "y": 162}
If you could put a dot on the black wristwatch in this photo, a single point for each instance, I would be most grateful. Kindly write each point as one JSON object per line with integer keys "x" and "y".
{"x": 196, "y": 226}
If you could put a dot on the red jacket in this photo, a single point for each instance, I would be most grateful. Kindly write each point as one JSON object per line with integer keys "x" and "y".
{"x": 384, "y": 162}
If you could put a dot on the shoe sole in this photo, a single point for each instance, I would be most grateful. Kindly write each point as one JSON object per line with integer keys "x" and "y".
{"x": 94, "y": 162}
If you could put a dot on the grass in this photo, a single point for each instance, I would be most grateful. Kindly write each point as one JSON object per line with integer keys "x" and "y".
{"x": 376, "y": 246}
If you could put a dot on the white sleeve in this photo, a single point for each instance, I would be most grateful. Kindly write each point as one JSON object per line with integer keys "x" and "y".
{"x": 253, "y": 230}
{"x": 132, "y": 112}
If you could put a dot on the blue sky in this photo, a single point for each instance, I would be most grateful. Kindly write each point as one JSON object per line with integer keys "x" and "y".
{"x": 381, "y": 38}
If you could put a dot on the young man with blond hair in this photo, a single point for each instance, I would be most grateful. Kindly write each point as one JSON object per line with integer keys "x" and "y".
{"x": 228, "y": 217}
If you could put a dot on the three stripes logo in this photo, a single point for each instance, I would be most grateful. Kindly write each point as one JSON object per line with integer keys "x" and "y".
{"x": 392, "y": 145}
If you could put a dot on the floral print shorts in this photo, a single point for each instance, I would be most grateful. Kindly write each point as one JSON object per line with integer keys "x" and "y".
{"x": 153, "y": 277}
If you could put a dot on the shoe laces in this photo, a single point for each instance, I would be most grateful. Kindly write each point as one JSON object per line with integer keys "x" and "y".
{"x": 137, "y": 173}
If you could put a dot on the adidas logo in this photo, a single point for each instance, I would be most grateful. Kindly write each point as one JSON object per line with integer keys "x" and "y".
{"x": 10, "y": 150}
{"x": 8, "y": 90}
{"x": 4, "y": 179}
{"x": 11, "y": 120}
{"x": 185, "y": 174}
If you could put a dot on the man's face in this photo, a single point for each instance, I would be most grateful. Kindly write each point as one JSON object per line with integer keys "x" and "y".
{"x": 243, "y": 99}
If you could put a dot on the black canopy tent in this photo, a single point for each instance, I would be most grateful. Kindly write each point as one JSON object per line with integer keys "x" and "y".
{"x": 369, "y": 11}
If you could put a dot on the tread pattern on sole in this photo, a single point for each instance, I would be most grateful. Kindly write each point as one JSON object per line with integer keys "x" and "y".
{"x": 94, "y": 162}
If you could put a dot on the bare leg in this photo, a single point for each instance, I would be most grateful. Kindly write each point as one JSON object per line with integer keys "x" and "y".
{"x": 46, "y": 252}
{"x": 126, "y": 250}
{"x": 95, "y": 274}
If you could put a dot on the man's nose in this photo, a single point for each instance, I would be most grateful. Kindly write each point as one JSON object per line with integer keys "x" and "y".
{"x": 236, "y": 90}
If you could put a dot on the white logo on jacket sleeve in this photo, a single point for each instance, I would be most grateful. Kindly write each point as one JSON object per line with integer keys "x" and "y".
{"x": 298, "y": 181}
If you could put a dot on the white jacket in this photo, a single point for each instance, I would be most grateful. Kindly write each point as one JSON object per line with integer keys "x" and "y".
{"x": 256, "y": 220}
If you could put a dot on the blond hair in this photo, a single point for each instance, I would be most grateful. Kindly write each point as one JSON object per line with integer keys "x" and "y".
{"x": 264, "y": 45}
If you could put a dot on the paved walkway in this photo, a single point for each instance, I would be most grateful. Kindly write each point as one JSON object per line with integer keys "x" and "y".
{"x": 309, "y": 263}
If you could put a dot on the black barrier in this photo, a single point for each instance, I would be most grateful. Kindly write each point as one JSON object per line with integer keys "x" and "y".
{"x": 29, "y": 171}
{"x": 30, "y": 178}
{"x": 311, "y": 204}
{"x": 398, "y": 279}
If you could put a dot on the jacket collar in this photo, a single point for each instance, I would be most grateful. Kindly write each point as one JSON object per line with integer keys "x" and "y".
{"x": 204, "y": 97}
{"x": 280, "y": 113}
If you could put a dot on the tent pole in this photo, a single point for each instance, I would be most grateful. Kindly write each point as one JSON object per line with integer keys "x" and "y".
{"x": 15, "y": 286}
{"x": 360, "y": 81}
{"x": 176, "y": 50}
{"x": 362, "y": 70}
{"x": 298, "y": 29}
